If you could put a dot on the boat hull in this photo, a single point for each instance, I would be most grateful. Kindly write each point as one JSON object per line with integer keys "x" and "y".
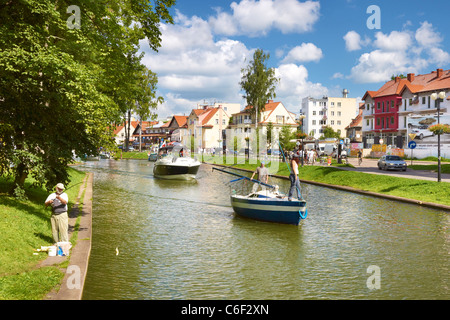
{"x": 175, "y": 172}
{"x": 269, "y": 209}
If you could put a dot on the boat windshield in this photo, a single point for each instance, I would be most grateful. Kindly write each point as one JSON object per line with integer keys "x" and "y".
{"x": 174, "y": 151}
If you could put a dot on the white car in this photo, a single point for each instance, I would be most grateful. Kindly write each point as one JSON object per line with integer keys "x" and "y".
{"x": 422, "y": 132}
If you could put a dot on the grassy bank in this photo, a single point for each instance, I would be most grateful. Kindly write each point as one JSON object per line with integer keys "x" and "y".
{"x": 421, "y": 190}
{"x": 25, "y": 226}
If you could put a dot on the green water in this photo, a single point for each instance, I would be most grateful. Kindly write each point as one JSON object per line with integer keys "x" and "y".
{"x": 181, "y": 240}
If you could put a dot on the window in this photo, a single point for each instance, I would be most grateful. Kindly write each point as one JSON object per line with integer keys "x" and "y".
{"x": 387, "y": 105}
{"x": 429, "y": 104}
{"x": 378, "y": 121}
{"x": 314, "y": 113}
{"x": 392, "y": 104}
{"x": 339, "y": 113}
{"x": 423, "y": 100}
{"x": 323, "y": 122}
{"x": 223, "y": 122}
{"x": 217, "y": 121}
{"x": 339, "y": 122}
{"x": 378, "y": 106}
{"x": 332, "y": 122}
{"x": 332, "y": 113}
{"x": 392, "y": 120}
{"x": 314, "y": 122}
{"x": 338, "y": 104}
{"x": 367, "y": 122}
{"x": 280, "y": 119}
{"x": 332, "y": 104}
{"x": 320, "y": 113}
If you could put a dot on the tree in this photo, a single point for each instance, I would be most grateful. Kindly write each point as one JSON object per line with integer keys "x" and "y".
{"x": 145, "y": 98}
{"x": 286, "y": 135}
{"x": 259, "y": 83}
{"x": 328, "y": 132}
{"x": 269, "y": 133}
{"x": 63, "y": 88}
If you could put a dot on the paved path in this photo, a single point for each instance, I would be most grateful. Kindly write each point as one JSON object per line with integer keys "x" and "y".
{"x": 73, "y": 283}
{"x": 370, "y": 166}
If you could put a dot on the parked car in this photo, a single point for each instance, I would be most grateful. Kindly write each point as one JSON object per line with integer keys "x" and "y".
{"x": 391, "y": 162}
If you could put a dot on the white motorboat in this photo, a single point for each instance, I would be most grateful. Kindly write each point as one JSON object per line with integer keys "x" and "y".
{"x": 174, "y": 163}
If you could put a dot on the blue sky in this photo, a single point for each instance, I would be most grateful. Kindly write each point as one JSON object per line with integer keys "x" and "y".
{"x": 317, "y": 47}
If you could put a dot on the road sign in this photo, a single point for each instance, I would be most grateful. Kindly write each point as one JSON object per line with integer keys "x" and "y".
{"x": 341, "y": 142}
{"x": 412, "y": 136}
{"x": 412, "y": 145}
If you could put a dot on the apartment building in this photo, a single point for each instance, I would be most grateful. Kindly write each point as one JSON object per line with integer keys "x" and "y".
{"x": 335, "y": 112}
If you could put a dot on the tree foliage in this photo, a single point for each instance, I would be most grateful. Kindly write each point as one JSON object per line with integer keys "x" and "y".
{"x": 259, "y": 83}
{"x": 62, "y": 88}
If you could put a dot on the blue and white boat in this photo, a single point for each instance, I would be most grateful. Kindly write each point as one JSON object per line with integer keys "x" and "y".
{"x": 267, "y": 205}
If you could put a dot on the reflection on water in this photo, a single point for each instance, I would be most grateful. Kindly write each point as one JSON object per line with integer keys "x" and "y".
{"x": 181, "y": 240}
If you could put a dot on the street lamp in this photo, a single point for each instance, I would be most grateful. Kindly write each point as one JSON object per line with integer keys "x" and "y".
{"x": 438, "y": 98}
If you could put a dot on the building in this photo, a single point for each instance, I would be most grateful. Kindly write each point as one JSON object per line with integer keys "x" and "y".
{"x": 336, "y": 113}
{"x": 205, "y": 125}
{"x": 354, "y": 129}
{"x": 177, "y": 127}
{"x": 389, "y": 110}
{"x": 243, "y": 123}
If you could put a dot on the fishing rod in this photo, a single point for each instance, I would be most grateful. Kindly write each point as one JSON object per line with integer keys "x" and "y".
{"x": 244, "y": 177}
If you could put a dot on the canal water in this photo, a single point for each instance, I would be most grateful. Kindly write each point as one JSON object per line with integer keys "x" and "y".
{"x": 157, "y": 239}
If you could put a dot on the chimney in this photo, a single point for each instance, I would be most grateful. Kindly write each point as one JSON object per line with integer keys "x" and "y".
{"x": 397, "y": 79}
{"x": 440, "y": 72}
{"x": 270, "y": 101}
{"x": 411, "y": 77}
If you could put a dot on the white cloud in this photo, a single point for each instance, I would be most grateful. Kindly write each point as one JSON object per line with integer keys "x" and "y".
{"x": 378, "y": 66}
{"x": 304, "y": 53}
{"x": 398, "y": 52}
{"x": 394, "y": 41}
{"x": 294, "y": 85}
{"x": 426, "y": 36}
{"x": 192, "y": 66}
{"x": 352, "y": 41}
{"x": 439, "y": 56}
{"x": 338, "y": 75}
{"x": 256, "y": 18}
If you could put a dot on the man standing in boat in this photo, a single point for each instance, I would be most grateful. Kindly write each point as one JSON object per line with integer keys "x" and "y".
{"x": 293, "y": 177}
{"x": 263, "y": 176}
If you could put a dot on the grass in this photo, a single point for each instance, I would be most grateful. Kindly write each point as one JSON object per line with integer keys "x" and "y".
{"x": 445, "y": 168}
{"x": 25, "y": 226}
{"x": 421, "y": 190}
{"x": 133, "y": 155}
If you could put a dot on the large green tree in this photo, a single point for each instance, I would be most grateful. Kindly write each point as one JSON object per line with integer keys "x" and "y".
{"x": 258, "y": 81}
{"x": 63, "y": 84}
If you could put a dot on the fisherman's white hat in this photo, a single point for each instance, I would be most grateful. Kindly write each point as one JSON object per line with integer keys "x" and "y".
{"x": 60, "y": 186}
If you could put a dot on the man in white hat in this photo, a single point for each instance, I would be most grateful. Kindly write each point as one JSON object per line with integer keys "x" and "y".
{"x": 59, "y": 219}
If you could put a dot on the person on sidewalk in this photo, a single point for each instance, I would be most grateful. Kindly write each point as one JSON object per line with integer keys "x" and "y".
{"x": 59, "y": 219}
{"x": 263, "y": 176}
{"x": 293, "y": 177}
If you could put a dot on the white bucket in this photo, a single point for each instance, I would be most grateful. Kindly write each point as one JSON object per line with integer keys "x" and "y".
{"x": 52, "y": 251}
